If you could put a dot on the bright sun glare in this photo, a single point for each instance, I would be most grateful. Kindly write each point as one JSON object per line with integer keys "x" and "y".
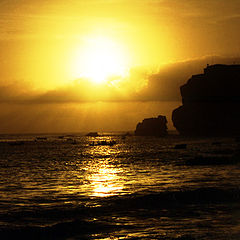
{"x": 100, "y": 59}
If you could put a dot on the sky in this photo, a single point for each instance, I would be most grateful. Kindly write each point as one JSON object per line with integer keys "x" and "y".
{"x": 75, "y": 66}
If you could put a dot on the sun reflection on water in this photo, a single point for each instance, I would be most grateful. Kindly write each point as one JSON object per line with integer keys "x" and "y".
{"x": 105, "y": 182}
{"x": 105, "y": 176}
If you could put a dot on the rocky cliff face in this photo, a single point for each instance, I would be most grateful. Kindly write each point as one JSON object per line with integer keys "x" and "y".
{"x": 211, "y": 103}
{"x": 152, "y": 127}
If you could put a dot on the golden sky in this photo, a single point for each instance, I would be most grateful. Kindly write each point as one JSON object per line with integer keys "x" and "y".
{"x": 69, "y": 54}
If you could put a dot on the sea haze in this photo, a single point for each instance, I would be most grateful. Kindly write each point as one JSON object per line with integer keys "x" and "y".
{"x": 78, "y": 187}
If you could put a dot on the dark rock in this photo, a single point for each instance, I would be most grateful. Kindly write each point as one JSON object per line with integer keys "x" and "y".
{"x": 212, "y": 160}
{"x": 210, "y": 103}
{"x": 180, "y": 146}
{"x": 103, "y": 143}
{"x": 237, "y": 139}
{"x": 152, "y": 127}
{"x": 41, "y": 138}
{"x": 216, "y": 143}
{"x": 16, "y": 143}
{"x": 92, "y": 134}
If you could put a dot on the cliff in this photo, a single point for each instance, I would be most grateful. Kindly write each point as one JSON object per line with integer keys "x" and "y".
{"x": 210, "y": 103}
{"x": 152, "y": 127}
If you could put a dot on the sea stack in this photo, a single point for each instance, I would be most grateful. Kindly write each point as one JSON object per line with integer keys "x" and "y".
{"x": 152, "y": 127}
{"x": 210, "y": 103}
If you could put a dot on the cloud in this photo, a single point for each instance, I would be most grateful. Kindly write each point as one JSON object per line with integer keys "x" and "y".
{"x": 16, "y": 92}
{"x": 140, "y": 85}
{"x": 229, "y": 20}
{"x": 82, "y": 106}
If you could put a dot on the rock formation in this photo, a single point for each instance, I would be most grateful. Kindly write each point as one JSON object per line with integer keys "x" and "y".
{"x": 211, "y": 103}
{"x": 152, "y": 127}
{"x": 92, "y": 134}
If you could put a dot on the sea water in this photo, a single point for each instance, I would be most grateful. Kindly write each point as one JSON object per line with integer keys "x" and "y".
{"x": 73, "y": 187}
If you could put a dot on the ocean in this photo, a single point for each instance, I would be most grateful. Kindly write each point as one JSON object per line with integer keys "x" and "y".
{"x": 57, "y": 186}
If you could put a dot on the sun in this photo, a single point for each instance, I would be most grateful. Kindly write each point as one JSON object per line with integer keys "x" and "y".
{"x": 99, "y": 59}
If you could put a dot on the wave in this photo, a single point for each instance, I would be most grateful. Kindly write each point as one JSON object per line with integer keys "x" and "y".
{"x": 83, "y": 222}
{"x": 77, "y": 228}
{"x": 170, "y": 199}
{"x": 213, "y": 160}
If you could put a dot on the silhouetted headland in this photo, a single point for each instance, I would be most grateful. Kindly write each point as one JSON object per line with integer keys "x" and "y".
{"x": 152, "y": 127}
{"x": 211, "y": 103}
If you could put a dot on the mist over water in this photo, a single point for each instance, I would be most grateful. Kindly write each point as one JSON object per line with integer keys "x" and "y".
{"x": 66, "y": 187}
